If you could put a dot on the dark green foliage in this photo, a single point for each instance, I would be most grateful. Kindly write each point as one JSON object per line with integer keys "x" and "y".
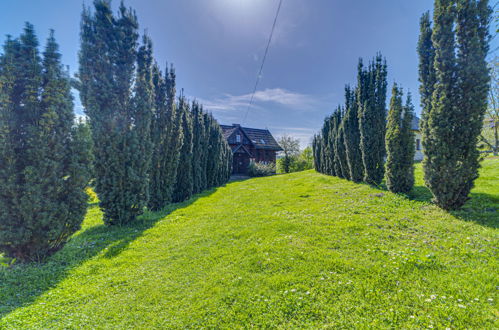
{"x": 317, "y": 152}
{"x": 185, "y": 183}
{"x": 352, "y": 136}
{"x": 399, "y": 144}
{"x": 371, "y": 99}
{"x": 116, "y": 91}
{"x": 218, "y": 154}
{"x": 351, "y": 144}
{"x": 327, "y": 147}
{"x": 426, "y": 53}
{"x": 166, "y": 133}
{"x": 453, "y": 121}
{"x": 45, "y": 158}
{"x": 340, "y": 157}
{"x": 200, "y": 136}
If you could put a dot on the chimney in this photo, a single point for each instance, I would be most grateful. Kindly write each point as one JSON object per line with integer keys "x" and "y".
{"x": 236, "y": 125}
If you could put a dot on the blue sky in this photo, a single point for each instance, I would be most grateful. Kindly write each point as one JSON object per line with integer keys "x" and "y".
{"x": 216, "y": 47}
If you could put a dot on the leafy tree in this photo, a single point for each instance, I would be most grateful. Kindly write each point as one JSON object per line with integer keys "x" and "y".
{"x": 290, "y": 147}
{"x": 352, "y": 136}
{"x": 299, "y": 162}
{"x": 399, "y": 144}
{"x": 45, "y": 157}
{"x": 459, "y": 100}
{"x": 306, "y": 159}
{"x": 116, "y": 91}
{"x": 371, "y": 98}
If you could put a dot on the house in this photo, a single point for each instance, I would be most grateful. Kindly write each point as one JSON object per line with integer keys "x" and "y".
{"x": 418, "y": 155}
{"x": 249, "y": 144}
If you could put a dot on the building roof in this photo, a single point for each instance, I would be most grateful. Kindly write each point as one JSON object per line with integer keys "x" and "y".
{"x": 260, "y": 138}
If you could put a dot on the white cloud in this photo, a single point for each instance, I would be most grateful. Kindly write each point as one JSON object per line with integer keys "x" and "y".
{"x": 301, "y": 133}
{"x": 278, "y": 96}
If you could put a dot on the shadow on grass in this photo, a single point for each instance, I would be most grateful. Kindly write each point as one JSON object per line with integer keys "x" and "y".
{"x": 481, "y": 208}
{"x": 21, "y": 284}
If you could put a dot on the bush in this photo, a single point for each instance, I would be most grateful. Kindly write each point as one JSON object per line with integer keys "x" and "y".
{"x": 261, "y": 169}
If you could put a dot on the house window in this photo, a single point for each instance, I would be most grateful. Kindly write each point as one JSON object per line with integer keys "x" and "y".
{"x": 418, "y": 144}
{"x": 238, "y": 138}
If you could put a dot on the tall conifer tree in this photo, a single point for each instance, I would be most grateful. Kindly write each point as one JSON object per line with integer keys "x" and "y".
{"x": 340, "y": 161}
{"x": 352, "y": 136}
{"x": 110, "y": 67}
{"x": 453, "y": 122}
{"x": 166, "y": 133}
{"x": 399, "y": 144}
{"x": 199, "y": 148}
{"x": 371, "y": 98}
{"x": 426, "y": 53}
{"x": 184, "y": 184}
{"x": 45, "y": 159}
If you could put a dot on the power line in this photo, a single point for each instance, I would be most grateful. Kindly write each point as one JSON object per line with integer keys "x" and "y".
{"x": 263, "y": 62}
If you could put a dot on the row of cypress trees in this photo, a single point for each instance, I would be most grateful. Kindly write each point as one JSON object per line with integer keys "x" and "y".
{"x": 351, "y": 144}
{"x": 454, "y": 82}
{"x": 142, "y": 147}
{"x": 150, "y": 150}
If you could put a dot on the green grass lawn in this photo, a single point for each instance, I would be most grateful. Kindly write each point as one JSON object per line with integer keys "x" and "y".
{"x": 298, "y": 250}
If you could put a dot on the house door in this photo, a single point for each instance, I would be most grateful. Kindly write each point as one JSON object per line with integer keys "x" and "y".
{"x": 240, "y": 163}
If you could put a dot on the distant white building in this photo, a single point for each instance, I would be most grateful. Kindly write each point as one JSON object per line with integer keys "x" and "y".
{"x": 418, "y": 155}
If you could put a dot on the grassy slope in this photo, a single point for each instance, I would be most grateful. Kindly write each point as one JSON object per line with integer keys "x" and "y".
{"x": 299, "y": 250}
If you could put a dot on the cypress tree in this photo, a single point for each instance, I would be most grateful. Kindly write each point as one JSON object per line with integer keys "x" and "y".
{"x": 352, "y": 136}
{"x": 340, "y": 161}
{"x": 199, "y": 137}
{"x": 140, "y": 134}
{"x": 213, "y": 153}
{"x": 316, "y": 148}
{"x": 426, "y": 53}
{"x": 110, "y": 67}
{"x": 372, "y": 116}
{"x": 44, "y": 157}
{"x": 399, "y": 144}
{"x": 451, "y": 128}
{"x": 166, "y": 133}
{"x": 159, "y": 123}
{"x": 175, "y": 136}
{"x": 184, "y": 184}
{"x": 327, "y": 146}
{"x": 219, "y": 154}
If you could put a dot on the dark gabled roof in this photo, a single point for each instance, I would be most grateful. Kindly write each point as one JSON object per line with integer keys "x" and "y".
{"x": 241, "y": 146}
{"x": 261, "y": 138}
{"x": 227, "y": 130}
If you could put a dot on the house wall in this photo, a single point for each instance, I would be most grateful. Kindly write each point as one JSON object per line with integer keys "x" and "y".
{"x": 232, "y": 140}
{"x": 418, "y": 155}
{"x": 265, "y": 156}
